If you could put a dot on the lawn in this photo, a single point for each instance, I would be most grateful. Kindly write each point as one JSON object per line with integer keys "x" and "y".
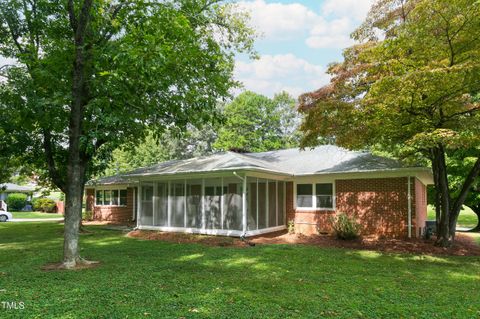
{"x": 23, "y": 215}
{"x": 154, "y": 279}
{"x": 467, "y": 217}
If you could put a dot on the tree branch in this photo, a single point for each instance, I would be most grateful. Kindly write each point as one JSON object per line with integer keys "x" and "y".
{"x": 467, "y": 184}
{"x": 71, "y": 15}
{"x": 52, "y": 169}
{"x": 11, "y": 31}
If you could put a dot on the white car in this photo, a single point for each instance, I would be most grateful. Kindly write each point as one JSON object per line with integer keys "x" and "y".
{"x": 5, "y": 216}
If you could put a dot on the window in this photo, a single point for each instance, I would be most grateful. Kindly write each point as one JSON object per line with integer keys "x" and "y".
{"x": 319, "y": 196}
{"x": 123, "y": 197}
{"x": 115, "y": 197}
{"x": 324, "y": 194}
{"x": 99, "y": 198}
{"x": 304, "y": 195}
{"x": 107, "y": 197}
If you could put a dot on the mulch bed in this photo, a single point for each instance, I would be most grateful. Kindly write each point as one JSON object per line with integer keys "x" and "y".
{"x": 181, "y": 238}
{"x": 463, "y": 246}
{"x": 105, "y": 223}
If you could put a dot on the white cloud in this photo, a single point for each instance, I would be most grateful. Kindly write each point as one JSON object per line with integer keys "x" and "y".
{"x": 337, "y": 21}
{"x": 355, "y": 9}
{"x": 283, "y": 72}
{"x": 277, "y": 21}
{"x": 328, "y": 28}
{"x": 5, "y": 61}
{"x": 331, "y": 34}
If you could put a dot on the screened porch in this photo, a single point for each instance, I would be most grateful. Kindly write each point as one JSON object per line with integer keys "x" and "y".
{"x": 233, "y": 205}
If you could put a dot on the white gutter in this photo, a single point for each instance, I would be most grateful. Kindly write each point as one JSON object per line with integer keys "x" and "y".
{"x": 409, "y": 222}
{"x": 244, "y": 203}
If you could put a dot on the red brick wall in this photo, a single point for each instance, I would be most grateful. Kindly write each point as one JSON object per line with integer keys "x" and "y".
{"x": 379, "y": 204}
{"x": 111, "y": 213}
{"x": 420, "y": 208}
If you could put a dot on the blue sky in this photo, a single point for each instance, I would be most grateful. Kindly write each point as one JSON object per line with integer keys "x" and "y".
{"x": 299, "y": 39}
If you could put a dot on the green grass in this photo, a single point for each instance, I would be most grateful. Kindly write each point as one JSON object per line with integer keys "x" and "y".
{"x": 153, "y": 279}
{"x": 23, "y": 215}
{"x": 467, "y": 217}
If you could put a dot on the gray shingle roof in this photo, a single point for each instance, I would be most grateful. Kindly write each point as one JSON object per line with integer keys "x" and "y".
{"x": 109, "y": 180}
{"x": 326, "y": 159}
{"x": 12, "y": 188}
{"x": 216, "y": 162}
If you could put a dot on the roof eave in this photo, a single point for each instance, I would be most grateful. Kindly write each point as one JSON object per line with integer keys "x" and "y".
{"x": 401, "y": 169}
{"x": 230, "y": 170}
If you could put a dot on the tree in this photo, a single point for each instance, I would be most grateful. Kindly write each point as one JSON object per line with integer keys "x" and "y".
{"x": 410, "y": 91}
{"x": 255, "y": 123}
{"x": 92, "y": 75}
{"x": 169, "y": 146}
{"x": 290, "y": 119}
{"x": 459, "y": 166}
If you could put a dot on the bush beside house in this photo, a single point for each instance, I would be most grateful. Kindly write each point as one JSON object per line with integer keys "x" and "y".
{"x": 345, "y": 227}
{"x": 46, "y": 205}
{"x": 16, "y": 201}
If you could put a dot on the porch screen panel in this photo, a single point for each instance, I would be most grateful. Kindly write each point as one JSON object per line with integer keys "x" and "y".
{"x": 213, "y": 195}
{"x": 272, "y": 204}
{"x": 177, "y": 197}
{"x": 161, "y": 207}
{"x": 147, "y": 205}
{"x": 281, "y": 204}
{"x": 232, "y": 204}
{"x": 252, "y": 203}
{"x": 262, "y": 204}
{"x": 194, "y": 204}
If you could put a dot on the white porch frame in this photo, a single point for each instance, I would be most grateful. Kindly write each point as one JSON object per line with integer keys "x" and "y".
{"x": 203, "y": 230}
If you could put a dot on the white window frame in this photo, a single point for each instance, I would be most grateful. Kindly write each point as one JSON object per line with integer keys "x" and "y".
{"x": 103, "y": 197}
{"x": 314, "y": 196}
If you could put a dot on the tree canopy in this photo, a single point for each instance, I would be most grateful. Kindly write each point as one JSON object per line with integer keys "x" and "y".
{"x": 91, "y": 75}
{"x": 168, "y": 146}
{"x": 256, "y": 123}
{"x": 409, "y": 87}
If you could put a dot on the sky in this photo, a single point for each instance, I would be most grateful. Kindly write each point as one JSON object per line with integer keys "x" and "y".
{"x": 298, "y": 40}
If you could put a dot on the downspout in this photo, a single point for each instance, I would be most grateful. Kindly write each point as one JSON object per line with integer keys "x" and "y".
{"x": 409, "y": 210}
{"x": 139, "y": 205}
{"x": 134, "y": 210}
{"x": 244, "y": 203}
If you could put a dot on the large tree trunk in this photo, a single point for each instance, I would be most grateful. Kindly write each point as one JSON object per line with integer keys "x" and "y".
{"x": 73, "y": 216}
{"x": 466, "y": 187}
{"x": 447, "y": 221}
{"x": 439, "y": 167}
{"x": 77, "y": 160}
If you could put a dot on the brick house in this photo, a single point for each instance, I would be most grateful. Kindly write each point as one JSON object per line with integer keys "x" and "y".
{"x": 248, "y": 194}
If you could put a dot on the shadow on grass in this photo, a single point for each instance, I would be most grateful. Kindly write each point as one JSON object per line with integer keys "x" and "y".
{"x": 191, "y": 280}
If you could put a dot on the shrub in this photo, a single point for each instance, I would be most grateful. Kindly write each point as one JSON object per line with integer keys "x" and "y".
{"x": 291, "y": 226}
{"x": 87, "y": 215}
{"x": 46, "y": 205}
{"x": 16, "y": 201}
{"x": 345, "y": 227}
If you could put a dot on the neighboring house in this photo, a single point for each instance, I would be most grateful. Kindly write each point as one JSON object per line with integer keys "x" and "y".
{"x": 249, "y": 194}
{"x": 9, "y": 188}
